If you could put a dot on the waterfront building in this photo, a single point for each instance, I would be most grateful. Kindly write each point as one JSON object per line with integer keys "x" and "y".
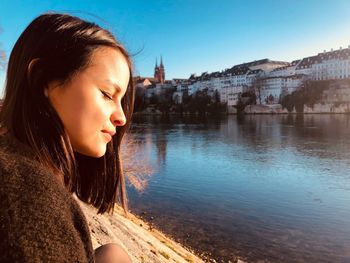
{"x": 223, "y": 87}
{"x": 306, "y": 65}
{"x": 233, "y": 85}
{"x": 181, "y": 90}
{"x": 271, "y": 90}
{"x": 285, "y": 71}
{"x": 270, "y": 80}
{"x": 279, "y": 82}
{"x": 292, "y": 83}
{"x": 194, "y": 87}
{"x": 233, "y": 94}
{"x": 160, "y": 88}
{"x": 246, "y": 77}
{"x": 253, "y": 76}
{"x": 266, "y": 64}
{"x": 215, "y": 82}
{"x": 332, "y": 65}
{"x": 150, "y": 91}
{"x": 145, "y": 86}
{"x": 143, "y": 82}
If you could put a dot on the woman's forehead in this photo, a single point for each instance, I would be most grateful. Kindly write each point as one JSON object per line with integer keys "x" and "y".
{"x": 109, "y": 65}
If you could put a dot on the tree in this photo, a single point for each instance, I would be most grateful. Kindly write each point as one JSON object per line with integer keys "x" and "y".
{"x": 216, "y": 107}
{"x": 216, "y": 97}
{"x": 2, "y": 55}
{"x": 246, "y": 98}
{"x": 257, "y": 86}
{"x": 309, "y": 93}
{"x": 140, "y": 103}
{"x": 288, "y": 102}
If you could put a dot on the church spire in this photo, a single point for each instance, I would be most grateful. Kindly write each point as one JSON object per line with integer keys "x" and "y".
{"x": 159, "y": 72}
{"x": 161, "y": 62}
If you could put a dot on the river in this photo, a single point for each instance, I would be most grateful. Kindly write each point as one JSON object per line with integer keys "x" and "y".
{"x": 265, "y": 188}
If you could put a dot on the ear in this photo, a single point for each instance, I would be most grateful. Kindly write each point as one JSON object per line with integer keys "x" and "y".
{"x": 32, "y": 64}
{"x": 46, "y": 92}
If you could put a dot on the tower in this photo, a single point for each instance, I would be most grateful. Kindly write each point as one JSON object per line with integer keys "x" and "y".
{"x": 159, "y": 72}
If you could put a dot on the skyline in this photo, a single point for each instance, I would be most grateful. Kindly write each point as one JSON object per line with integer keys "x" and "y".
{"x": 199, "y": 36}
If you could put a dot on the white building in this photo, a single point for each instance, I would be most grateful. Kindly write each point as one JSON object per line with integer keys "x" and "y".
{"x": 285, "y": 71}
{"x": 306, "y": 65}
{"x": 293, "y": 82}
{"x": 150, "y": 91}
{"x": 233, "y": 94}
{"x": 271, "y": 80}
{"x": 193, "y": 87}
{"x": 181, "y": 89}
{"x": 253, "y": 75}
{"x": 332, "y": 65}
{"x": 279, "y": 82}
{"x": 271, "y": 89}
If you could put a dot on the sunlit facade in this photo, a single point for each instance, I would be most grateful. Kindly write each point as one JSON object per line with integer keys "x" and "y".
{"x": 270, "y": 80}
{"x": 333, "y": 65}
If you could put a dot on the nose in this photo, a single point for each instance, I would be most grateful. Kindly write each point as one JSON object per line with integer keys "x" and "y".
{"x": 118, "y": 117}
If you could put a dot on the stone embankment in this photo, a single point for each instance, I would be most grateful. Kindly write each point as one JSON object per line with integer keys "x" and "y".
{"x": 265, "y": 109}
{"x": 315, "y": 109}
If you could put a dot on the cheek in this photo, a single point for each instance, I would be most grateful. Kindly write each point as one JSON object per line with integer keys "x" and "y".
{"x": 89, "y": 117}
{"x": 84, "y": 118}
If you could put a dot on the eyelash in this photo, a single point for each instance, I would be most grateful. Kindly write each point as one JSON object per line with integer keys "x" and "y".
{"x": 106, "y": 95}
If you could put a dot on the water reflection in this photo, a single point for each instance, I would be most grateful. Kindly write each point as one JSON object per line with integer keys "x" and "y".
{"x": 264, "y": 187}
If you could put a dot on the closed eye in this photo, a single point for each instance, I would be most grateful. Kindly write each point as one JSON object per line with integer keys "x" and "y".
{"x": 106, "y": 95}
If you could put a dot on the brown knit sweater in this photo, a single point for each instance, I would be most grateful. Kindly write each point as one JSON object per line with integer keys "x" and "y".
{"x": 39, "y": 219}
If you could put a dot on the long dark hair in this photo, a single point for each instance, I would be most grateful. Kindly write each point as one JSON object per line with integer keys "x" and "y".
{"x": 54, "y": 47}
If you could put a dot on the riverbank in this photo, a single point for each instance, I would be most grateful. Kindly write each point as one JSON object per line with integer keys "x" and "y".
{"x": 142, "y": 242}
{"x": 317, "y": 108}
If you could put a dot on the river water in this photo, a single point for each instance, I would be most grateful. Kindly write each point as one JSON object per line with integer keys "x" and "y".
{"x": 265, "y": 188}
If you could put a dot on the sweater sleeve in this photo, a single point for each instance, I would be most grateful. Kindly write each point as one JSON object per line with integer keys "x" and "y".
{"x": 39, "y": 219}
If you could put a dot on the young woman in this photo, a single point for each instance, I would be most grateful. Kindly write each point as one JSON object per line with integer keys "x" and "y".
{"x": 68, "y": 102}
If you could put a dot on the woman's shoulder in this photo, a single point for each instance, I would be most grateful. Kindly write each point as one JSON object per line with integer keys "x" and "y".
{"x": 28, "y": 183}
{"x": 18, "y": 164}
{"x": 22, "y": 177}
{"x": 36, "y": 210}
{"x": 13, "y": 152}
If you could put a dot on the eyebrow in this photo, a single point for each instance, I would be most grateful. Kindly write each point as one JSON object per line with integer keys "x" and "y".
{"x": 115, "y": 85}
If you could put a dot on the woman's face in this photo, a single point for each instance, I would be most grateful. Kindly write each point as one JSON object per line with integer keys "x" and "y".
{"x": 89, "y": 105}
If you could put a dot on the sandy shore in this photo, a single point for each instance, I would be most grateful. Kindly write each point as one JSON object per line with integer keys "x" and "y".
{"x": 142, "y": 242}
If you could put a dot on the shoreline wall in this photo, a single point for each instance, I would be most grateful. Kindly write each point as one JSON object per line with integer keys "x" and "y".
{"x": 318, "y": 108}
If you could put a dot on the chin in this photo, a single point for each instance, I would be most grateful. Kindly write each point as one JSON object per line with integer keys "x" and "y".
{"x": 96, "y": 152}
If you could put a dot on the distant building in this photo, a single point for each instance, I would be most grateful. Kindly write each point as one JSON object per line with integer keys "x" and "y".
{"x": 246, "y": 77}
{"x": 159, "y": 72}
{"x": 280, "y": 82}
{"x": 332, "y": 65}
{"x": 269, "y": 80}
{"x": 145, "y": 86}
{"x": 305, "y": 66}
{"x": 181, "y": 90}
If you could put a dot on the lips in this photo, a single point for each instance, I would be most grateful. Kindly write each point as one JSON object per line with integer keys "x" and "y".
{"x": 108, "y": 134}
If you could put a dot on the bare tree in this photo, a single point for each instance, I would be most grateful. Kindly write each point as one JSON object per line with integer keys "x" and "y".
{"x": 257, "y": 85}
{"x": 136, "y": 166}
{"x": 2, "y": 55}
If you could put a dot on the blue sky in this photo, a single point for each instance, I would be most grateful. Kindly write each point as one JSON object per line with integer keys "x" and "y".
{"x": 194, "y": 36}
